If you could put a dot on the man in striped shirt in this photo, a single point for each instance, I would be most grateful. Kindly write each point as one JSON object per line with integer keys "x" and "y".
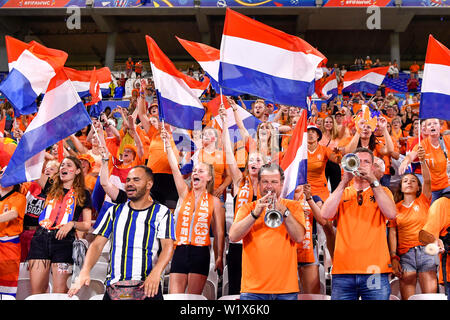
{"x": 138, "y": 228}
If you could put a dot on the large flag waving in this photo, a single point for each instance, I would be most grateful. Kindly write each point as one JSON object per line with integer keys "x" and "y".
{"x": 366, "y": 81}
{"x": 30, "y": 74}
{"x": 209, "y": 59}
{"x": 81, "y": 80}
{"x": 61, "y": 114}
{"x": 435, "y": 97}
{"x": 266, "y": 62}
{"x": 294, "y": 162}
{"x": 178, "y": 94}
{"x": 328, "y": 88}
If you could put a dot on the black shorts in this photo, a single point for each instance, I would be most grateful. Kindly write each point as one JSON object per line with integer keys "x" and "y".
{"x": 44, "y": 246}
{"x": 190, "y": 259}
{"x": 164, "y": 189}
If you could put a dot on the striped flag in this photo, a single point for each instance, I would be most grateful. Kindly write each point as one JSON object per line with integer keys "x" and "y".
{"x": 81, "y": 80}
{"x": 435, "y": 91}
{"x": 294, "y": 162}
{"x": 178, "y": 94}
{"x": 61, "y": 114}
{"x": 266, "y": 62}
{"x": 31, "y": 73}
{"x": 209, "y": 59}
{"x": 365, "y": 81}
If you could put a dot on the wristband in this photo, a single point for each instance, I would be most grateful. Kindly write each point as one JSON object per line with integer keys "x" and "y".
{"x": 308, "y": 199}
{"x": 74, "y": 224}
{"x": 395, "y": 257}
{"x": 253, "y": 215}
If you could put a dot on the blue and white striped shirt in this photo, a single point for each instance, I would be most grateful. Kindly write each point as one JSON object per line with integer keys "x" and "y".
{"x": 134, "y": 238}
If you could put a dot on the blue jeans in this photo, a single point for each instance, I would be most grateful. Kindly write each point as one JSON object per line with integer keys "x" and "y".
{"x": 264, "y": 296}
{"x": 448, "y": 291}
{"x": 366, "y": 286}
{"x": 437, "y": 194}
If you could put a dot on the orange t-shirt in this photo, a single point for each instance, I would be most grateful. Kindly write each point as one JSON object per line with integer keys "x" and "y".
{"x": 157, "y": 158}
{"x": 435, "y": 158}
{"x": 437, "y": 223}
{"x": 269, "y": 256}
{"x": 414, "y": 68}
{"x": 89, "y": 182}
{"x": 361, "y": 244}
{"x": 317, "y": 162}
{"x": 13, "y": 227}
{"x": 409, "y": 222}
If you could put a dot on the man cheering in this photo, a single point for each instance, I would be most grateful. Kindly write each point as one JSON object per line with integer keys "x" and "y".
{"x": 269, "y": 255}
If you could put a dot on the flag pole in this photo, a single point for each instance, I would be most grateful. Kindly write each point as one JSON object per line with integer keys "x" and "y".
{"x": 419, "y": 131}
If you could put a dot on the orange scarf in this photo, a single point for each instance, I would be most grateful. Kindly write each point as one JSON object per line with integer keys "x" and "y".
{"x": 305, "y": 249}
{"x": 244, "y": 194}
{"x": 193, "y": 227}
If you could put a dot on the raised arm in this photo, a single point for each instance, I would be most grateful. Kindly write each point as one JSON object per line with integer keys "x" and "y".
{"x": 426, "y": 185}
{"x": 137, "y": 139}
{"x": 242, "y": 130}
{"x": 182, "y": 187}
{"x": 330, "y": 207}
{"x": 236, "y": 174}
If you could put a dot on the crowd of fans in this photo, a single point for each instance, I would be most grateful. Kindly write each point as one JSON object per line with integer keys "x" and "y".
{"x": 409, "y": 160}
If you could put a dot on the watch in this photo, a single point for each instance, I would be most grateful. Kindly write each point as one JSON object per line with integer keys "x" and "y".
{"x": 375, "y": 184}
{"x": 286, "y": 213}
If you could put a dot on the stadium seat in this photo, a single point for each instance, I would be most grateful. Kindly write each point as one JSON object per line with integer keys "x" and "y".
{"x": 6, "y": 297}
{"x": 95, "y": 287}
{"x": 306, "y": 296}
{"x": 23, "y": 288}
{"x": 99, "y": 271}
{"x": 395, "y": 288}
{"x": 211, "y": 285}
{"x": 428, "y": 296}
{"x": 24, "y": 272}
{"x": 51, "y": 296}
{"x": 225, "y": 283}
{"x": 393, "y": 297}
{"x": 230, "y": 297}
{"x": 97, "y": 297}
{"x": 183, "y": 296}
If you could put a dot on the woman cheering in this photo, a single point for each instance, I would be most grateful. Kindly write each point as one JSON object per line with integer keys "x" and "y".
{"x": 198, "y": 212}
{"x": 52, "y": 244}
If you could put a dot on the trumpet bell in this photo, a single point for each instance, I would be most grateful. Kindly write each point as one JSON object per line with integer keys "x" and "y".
{"x": 273, "y": 219}
{"x": 350, "y": 162}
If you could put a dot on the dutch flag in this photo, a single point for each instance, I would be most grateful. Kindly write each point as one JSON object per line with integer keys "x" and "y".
{"x": 435, "y": 90}
{"x": 61, "y": 114}
{"x": 364, "y": 81}
{"x": 81, "y": 80}
{"x": 294, "y": 162}
{"x": 209, "y": 59}
{"x": 32, "y": 66}
{"x": 178, "y": 94}
{"x": 266, "y": 62}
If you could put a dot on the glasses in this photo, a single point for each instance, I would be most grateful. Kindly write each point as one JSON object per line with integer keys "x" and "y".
{"x": 359, "y": 197}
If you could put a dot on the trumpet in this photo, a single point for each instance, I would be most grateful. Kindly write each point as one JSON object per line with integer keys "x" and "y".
{"x": 273, "y": 218}
{"x": 350, "y": 163}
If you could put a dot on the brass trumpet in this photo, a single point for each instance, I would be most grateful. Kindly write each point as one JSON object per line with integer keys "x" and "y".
{"x": 350, "y": 163}
{"x": 273, "y": 218}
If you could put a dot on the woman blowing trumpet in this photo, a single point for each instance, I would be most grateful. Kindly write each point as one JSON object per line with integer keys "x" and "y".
{"x": 199, "y": 210}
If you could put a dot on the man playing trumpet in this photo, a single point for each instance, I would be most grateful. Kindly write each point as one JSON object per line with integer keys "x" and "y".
{"x": 361, "y": 263}
{"x": 269, "y": 253}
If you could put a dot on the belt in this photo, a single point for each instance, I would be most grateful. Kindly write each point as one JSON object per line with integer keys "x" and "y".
{"x": 30, "y": 227}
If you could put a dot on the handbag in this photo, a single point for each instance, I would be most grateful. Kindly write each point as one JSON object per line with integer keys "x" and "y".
{"x": 126, "y": 290}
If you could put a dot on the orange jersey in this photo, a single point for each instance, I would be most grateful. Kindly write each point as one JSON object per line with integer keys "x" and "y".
{"x": 317, "y": 162}
{"x": 361, "y": 242}
{"x": 436, "y": 161}
{"x": 13, "y": 227}
{"x": 437, "y": 223}
{"x": 269, "y": 256}
{"x": 409, "y": 222}
{"x": 193, "y": 226}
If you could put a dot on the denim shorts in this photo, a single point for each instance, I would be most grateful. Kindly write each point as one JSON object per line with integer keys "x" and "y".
{"x": 416, "y": 260}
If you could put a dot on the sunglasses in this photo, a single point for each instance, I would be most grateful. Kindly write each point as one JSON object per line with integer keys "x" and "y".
{"x": 359, "y": 198}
